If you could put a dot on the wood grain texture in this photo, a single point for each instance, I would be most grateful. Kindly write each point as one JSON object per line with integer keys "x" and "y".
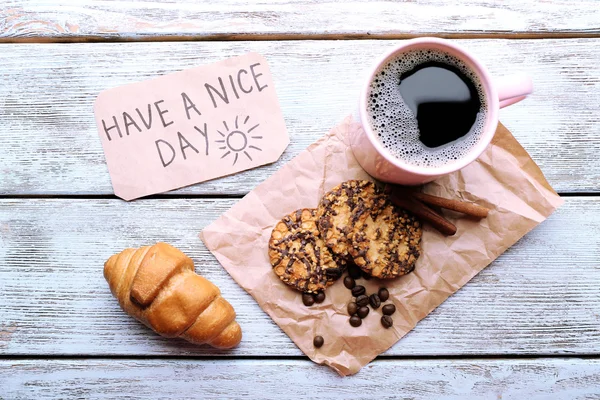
{"x": 534, "y": 379}
{"x": 541, "y": 297}
{"x": 50, "y": 145}
{"x": 231, "y": 19}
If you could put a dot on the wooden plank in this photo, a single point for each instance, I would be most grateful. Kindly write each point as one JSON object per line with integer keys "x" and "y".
{"x": 540, "y": 297}
{"x": 50, "y": 144}
{"x": 233, "y": 19}
{"x": 533, "y": 379}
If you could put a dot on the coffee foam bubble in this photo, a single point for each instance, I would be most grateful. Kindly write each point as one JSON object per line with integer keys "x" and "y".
{"x": 394, "y": 123}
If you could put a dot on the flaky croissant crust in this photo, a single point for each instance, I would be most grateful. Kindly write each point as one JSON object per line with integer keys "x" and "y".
{"x": 157, "y": 285}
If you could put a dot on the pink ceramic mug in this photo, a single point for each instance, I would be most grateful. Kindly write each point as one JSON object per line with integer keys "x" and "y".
{"x": 382, "y": 165}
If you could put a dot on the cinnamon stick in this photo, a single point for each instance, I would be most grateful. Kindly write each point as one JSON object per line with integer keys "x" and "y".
{"x": 470, "y": 209}
{"x": 422, "y": 211}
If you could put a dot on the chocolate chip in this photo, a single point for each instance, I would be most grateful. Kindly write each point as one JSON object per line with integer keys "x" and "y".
{"x": 318, "y": 341}
{"x": 374, "y": 301}
{"x": 333, "y": 273}
{"x": 354, "y": 271}
{"x": 320, "y": 297}
{"x": 352, "y": 308}
{"x": 358, "y": 290}
{"x": 384, "y": 294}
{"x": 349, "y": 282}
{"x": 308, "y": 299}
{"x": 362, "y": 300}
{"x": 355, "y": 321}
{"x": 363, "y": 312}
{"x": 387, "y": 321}
{"x": 388, "y": 309}
{"x": 366, "y": 276}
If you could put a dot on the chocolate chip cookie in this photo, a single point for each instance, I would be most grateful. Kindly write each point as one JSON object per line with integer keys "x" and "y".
{"x": 341, "y": 208}
{"x": 299, "y": 255}
{"x": 386, "y": 244}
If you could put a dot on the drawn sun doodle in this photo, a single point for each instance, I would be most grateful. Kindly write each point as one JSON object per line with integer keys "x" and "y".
{"x": 236, "y": 141}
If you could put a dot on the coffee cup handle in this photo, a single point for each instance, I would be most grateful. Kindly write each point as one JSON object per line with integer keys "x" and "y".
{"x": 513, "y": 88}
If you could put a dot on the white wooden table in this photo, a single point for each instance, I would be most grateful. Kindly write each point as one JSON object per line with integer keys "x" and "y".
{"x": 527, "y": 327}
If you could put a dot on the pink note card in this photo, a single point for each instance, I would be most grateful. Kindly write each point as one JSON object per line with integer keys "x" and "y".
{"x": 190, "y": 126}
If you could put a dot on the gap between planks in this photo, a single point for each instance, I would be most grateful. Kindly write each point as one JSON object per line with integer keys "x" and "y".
{"x": 295, "y": 36}
{"x": 175, "y": 196}
{"x": 191, "y": 357}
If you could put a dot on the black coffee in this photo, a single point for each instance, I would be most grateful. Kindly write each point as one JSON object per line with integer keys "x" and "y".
{"x": 427, "y": 107}
{"x": 442, "y": 98}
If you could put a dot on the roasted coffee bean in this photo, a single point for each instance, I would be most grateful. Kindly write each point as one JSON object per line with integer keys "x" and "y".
{"x": 320, "y": 297}
{"x": 374, "y": 301}
{"x": 363, "y": 312}
{"x": 352, "y": 308}
{"x": 349, "y": 282}
{"x": 308, "y": 299}
{"x": 366, "y": 276}
{"x": 388, "y": 309}
{"x": 355, "y": 321}
{"x": 362, "y": 300}
{"x": 333, "y": 273}
{"x": 387, "y": 321}
{"x": 384, "y": 294}
{"x": 358, "y": 290}
{"x": 354, "y": 271}
{"x": 318, "y": 341}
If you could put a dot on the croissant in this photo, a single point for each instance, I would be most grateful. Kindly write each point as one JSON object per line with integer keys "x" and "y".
{"x": 157, "y": 285}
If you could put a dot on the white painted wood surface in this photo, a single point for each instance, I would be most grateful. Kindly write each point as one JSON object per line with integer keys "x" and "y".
{"x": 50, "y": 145}
{"x": 541, "y": 297}
{"x": 531, "y": 379}
{"x": 232, "y": 19}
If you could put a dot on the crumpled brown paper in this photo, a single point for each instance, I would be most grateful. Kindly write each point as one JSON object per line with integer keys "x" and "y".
{"x": 504, "y": 178}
